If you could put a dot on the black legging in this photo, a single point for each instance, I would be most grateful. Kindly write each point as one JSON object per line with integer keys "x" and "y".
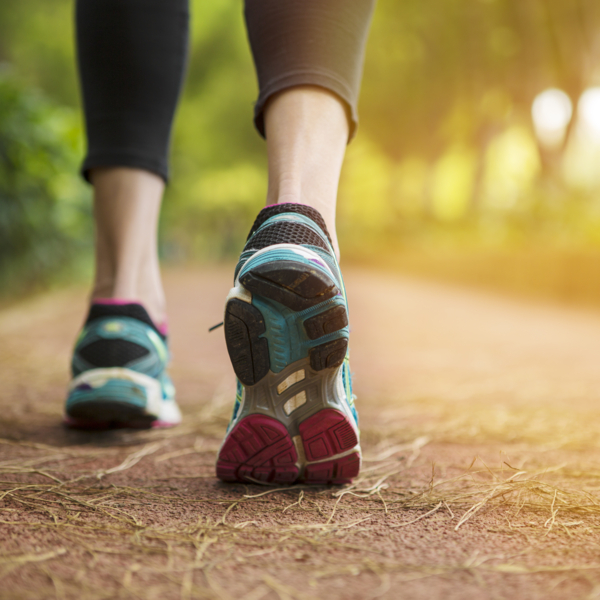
{"x": 132, "y": 56}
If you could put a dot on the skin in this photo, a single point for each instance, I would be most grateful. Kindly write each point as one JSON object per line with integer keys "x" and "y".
{"x": 126, "y": 209}
{"x": 307, "y": 132}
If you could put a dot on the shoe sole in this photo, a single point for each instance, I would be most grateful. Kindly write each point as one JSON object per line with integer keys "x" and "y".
{"x": 114, "y": 398}
{"x": 294, "y": 424}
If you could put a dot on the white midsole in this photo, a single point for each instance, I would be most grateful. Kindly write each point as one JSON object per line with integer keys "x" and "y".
{"x": 239, "y": 292}
{"x": 163, "y": 410}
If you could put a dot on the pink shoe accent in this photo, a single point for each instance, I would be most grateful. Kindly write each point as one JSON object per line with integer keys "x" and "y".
{"x": 327, "y": 433}
{"x": 258, "y": 447}
{"x": 338, "y": 471}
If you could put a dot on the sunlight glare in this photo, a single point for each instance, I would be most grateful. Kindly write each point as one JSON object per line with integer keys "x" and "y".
{"x": 589, "y": 111}
{"x": 551, "y": 111}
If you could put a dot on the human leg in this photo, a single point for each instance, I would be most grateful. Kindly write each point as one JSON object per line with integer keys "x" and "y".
{"x": 307, "y": 131}
{"x": 308, "y": 58}
{"x": 286, "y": 319}
{"x": 131, "y": 56}
{"x": 126, "y": 209}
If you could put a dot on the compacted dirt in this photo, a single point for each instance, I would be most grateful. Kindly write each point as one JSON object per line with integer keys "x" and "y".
{"x": 480, "y": 424}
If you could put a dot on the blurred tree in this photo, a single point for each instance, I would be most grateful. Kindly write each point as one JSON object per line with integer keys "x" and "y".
{"x": 219, "y": 163}
{"x": 36, "y": 38}
{"x": 445, "y": 115}
{"x": 44, "y": 219}
{"x": 445, "y": 69}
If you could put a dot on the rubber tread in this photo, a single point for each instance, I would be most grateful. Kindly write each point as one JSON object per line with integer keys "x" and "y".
{"x": 327, "y": 433}
{"x": 290, "y": 283}
{"x": 331, "y": 320}
{"x": 94, "y": 425}
{"x": 328, "y": 355}
{"x": 259, "y": 447}
{"x": 110, "y": 413}
{"x": 324, "y": 435}
{"x": 249, "y": 353}
{"x": 337, "y": 472}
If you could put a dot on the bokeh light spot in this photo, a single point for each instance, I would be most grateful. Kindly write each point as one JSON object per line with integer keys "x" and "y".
{"x": 551, "y": 112}
{"x": 589, "y": 110}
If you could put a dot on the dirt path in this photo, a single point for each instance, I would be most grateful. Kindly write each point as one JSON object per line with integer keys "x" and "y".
{"x": 481, "y": 428}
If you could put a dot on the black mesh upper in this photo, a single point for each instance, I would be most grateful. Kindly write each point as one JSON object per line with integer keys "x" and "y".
{"x": 301, "y": 209}
{"x": 133, "y": 311}
{"x": 285, "y": 232}
{"x": 112, "y": 353}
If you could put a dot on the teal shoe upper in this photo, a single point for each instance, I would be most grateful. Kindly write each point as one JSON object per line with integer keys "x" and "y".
{"x": 121, "y": 337}
{"x": 120, "y": 341}
{"x": 294, "y": 232}
{"x": 119, "y": 372}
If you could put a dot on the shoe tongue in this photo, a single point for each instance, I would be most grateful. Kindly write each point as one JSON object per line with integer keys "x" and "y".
{"x": 302, "y": 209}
{"x": 133, "y": 310}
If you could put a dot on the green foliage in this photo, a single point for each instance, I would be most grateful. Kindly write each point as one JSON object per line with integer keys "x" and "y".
{"x": 443, "y": 71}
{"x": 44, "y": 218}
{"x": 445, "y": 145}
{"x": 219, "y": 177}
{"x": 37, "y": 40}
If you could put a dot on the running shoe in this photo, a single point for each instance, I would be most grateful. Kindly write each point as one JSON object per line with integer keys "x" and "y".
{"x": 286, "y": 329}
{"x": 119, "y": 371}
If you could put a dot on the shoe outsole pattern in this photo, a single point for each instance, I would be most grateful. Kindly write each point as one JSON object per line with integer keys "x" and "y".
{"x": 95, "y": 425}
{"x": 249, "y": 353}
{"x": 110, "y": 414}
{"x": 326, "y": 434}
{"x": 331, "y": 320}
{"x": 296, "y": 287}
{"x": 259, "y": 448}
{"x": 290, "y": 283}
{"x": 109, "y": 410}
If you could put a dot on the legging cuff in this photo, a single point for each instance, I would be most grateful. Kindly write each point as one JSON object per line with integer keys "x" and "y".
{"x": 321, "y": 79}
{"x": 124, "y": 159}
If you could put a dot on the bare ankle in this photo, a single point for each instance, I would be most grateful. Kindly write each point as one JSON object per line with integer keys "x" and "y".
{"x": 126, "y": 208}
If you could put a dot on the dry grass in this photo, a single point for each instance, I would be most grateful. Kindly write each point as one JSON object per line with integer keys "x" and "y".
{"x": 546, "y": 428}
{"x": 93, "y": 533}
{"x": 477, "y": 493}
